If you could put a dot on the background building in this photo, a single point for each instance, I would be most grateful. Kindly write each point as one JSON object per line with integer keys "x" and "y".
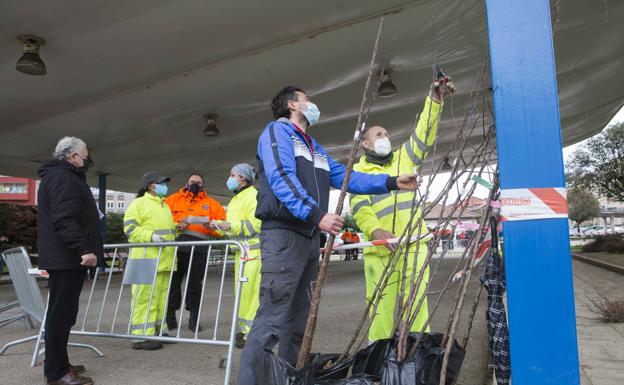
{"x": 611, "y": 213}
{"x": 116, "y": 201}
{"x": 21, "y": 191}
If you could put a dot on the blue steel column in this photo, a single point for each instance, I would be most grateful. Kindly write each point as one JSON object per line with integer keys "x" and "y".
{"x": 540, "y": 295}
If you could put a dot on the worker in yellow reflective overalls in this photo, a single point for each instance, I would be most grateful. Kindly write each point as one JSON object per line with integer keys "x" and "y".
{"x": 149, "y": 219}
{"x": 242, "y": 224}
{"x": 386, "y": 216}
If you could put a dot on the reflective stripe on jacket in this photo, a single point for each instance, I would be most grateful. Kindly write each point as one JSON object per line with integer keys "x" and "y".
{"x": 146, "y": 216}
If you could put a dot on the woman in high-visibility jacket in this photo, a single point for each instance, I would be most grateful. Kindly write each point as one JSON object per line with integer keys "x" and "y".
{"x": 243, "y": 225}
{"x": 387, "y": 216}
{"x": 149, "y": 219}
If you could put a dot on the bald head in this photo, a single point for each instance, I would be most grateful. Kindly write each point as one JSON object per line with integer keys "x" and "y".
{"x": 371, "y": 135}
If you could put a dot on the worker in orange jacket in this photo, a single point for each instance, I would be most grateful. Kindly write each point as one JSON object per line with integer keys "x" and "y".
{"x": 350, "y": 237}
{"x": 192, "y": 210}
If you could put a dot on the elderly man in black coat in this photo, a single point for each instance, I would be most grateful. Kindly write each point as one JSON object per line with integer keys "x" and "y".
{"x": 69, "y": 243}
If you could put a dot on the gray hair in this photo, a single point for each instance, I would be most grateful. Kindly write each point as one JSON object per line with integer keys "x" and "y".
{"x": 67, "y": 146}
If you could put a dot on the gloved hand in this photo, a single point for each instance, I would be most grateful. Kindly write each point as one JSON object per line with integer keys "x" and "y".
{"x": 380, "y": 234}
{"x": 157, "y": 238}
{"x": 442, "y": 85}
{"x": 181, "y": 225}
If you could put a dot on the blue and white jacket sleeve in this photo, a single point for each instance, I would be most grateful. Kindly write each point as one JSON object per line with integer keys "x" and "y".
{"x": 276, "y": 151}
{"x": 360, "y": 182}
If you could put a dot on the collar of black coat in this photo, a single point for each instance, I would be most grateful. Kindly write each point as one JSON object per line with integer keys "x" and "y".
{"x": 376, "y": 159}
{"x": 55, "y": 164}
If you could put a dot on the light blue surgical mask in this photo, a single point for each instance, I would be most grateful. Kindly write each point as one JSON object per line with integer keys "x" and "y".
{"x": 161, "y": 189}
{"x": 312, "y": 113}
{"x": 232, "y": 184}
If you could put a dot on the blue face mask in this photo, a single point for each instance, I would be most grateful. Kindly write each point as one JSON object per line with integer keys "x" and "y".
{"x": 232, "y": 184}
{"x": 161, "y": 189}
{"x": 312, "y": 113}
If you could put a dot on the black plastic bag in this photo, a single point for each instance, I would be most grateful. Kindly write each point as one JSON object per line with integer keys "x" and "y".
{"x": 359, "y": 379}
{"x": 334, "y": 372}
{"x": 372, "y": 359}
{"x": 276, "y": 371}
{"x": 421, "y": 368}
{"x": 424, "y": 366}
{"x": 377, "y": 362}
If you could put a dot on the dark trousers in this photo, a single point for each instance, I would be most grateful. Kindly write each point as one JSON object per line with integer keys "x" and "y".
{"x": 65, "y": 287}
{"x": 351, "y": 254}
{"x": 193, "y": 295}
{"x": 289, "y": 267}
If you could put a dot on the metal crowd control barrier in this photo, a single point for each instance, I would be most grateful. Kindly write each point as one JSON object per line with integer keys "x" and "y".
{"x": 29, "y": 300}
{"x": 136, "y": 271}
{"x": 143, "y": 271}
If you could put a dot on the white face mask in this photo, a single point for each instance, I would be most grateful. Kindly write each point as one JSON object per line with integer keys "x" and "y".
{"x": 311, "y": 113}
{"x": 382, "y": 147}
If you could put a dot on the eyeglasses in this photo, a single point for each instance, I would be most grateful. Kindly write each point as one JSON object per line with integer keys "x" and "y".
{"x": 87, "y": 160}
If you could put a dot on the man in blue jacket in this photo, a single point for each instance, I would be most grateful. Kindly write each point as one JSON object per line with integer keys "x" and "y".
{"x": 295, "y": 175}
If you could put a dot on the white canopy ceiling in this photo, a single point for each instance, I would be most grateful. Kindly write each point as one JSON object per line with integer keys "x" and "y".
{"x": 135, "y": 78}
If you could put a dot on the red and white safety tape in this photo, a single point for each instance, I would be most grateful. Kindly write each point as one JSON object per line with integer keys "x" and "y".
{"x": 379, "y": 242}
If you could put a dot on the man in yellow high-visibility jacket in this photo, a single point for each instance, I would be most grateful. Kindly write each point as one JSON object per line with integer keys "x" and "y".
{"x": 386, "y": 216}
{"x": 243, "y": 225}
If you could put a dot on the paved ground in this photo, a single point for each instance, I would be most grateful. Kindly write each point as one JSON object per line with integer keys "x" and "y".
{"x": 601, "y": 345}
{"x": 341, "y": 306}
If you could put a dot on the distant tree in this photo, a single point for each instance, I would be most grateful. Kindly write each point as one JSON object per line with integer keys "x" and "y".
{"x": 18, "y": 226}
{"x": 114, "y": 229}
{"x": 582, "y": 206}
{"x": 598, "y": 166}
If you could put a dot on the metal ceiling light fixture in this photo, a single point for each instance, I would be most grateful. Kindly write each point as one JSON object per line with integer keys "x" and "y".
{"x": 386, "y": 87}
{"x": 30, "y": 63}
{"x": 446, "y": 166}
{"x": 211, "y": 125}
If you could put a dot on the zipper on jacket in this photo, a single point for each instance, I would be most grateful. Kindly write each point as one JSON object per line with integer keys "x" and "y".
{"x": 318, "y": 192}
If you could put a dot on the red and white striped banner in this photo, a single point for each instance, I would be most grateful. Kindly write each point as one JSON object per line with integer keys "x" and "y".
{"x": 533, "y": 203}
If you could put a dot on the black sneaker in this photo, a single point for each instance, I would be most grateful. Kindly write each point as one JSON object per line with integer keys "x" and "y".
{"x": 240, "y": 340}
{"x": 147, "y": 345}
